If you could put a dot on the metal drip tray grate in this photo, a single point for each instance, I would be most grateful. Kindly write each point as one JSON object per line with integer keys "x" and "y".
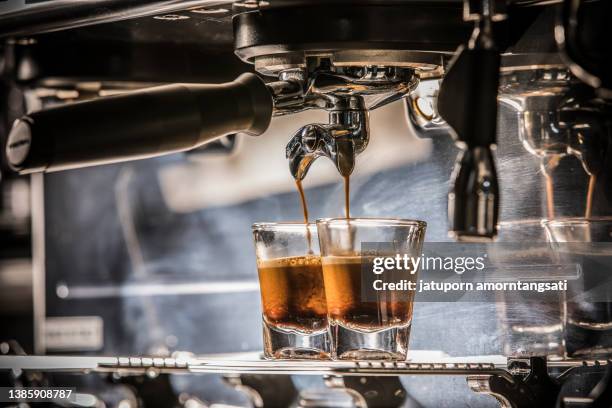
{"x": 418, "y": 363}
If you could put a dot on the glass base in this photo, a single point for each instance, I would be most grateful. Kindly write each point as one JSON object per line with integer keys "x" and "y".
{"x": 280, "y": 343}
{"x": 530, "y": 329}
{"x": 580, "y": 342}
{"x": 533, "y": 341}
{"x": 390, "y": 343}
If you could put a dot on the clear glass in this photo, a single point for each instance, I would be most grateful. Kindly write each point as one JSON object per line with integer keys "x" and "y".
{"x": 292, "y": 294}
{"x": 529, "y": 326}
{"x": 588, "y": 301}
{"x": 366, "y": 325}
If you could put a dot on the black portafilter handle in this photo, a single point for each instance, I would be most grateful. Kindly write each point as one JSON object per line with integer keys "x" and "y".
{"x": 136, "y": 125}
{"x": 467, "y": 101}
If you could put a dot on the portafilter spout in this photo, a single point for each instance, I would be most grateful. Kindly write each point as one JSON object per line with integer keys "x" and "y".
{"x": 341, "y": 140}
{"x": 348, "y": 94}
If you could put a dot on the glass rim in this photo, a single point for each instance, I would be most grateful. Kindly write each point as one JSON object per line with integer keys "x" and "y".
{"x": 282, "y": 225}
{"x": 568, "y": 221}
{"x": 372, "y": 221}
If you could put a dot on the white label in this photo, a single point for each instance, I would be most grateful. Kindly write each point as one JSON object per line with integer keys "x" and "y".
{"x": 77, "y": 333}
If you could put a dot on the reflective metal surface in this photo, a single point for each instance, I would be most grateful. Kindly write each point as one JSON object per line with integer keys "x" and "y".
{"x": 166, "y": 263}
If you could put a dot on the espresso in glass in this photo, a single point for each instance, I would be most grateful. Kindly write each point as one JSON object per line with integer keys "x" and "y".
{"x": 292, "y": 294}
{"x": 367, "y": 323}
{"x": 346, "y": 280}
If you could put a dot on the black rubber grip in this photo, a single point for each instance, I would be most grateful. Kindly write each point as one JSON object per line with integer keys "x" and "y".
{"x": 141, "y": 124}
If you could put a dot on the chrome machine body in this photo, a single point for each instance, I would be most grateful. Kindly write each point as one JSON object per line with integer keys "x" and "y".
{"x": 509, "y": 102}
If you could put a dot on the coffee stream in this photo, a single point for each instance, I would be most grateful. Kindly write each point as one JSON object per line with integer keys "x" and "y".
{"x": 347, "y": 205}
{"x": 347, "y": 199}
{"x": 300, "y": 188}
{"x": 347, "y": 195}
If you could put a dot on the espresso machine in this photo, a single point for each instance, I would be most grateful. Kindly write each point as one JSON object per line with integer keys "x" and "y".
{"x": 489, "y": 119}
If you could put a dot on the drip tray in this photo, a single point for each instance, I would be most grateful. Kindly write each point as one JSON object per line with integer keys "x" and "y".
{"x": 418, "y": 363}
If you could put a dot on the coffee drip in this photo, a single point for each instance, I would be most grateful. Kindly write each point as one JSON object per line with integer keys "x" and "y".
{"x": 347, "y": 197}
{"x": 304, "y": 204}
{"x": 300, "y": 188}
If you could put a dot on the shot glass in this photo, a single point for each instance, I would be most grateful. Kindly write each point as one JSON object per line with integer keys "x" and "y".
{"x": 587, "y": 244}
{"x": 292, "y": 295}
{"x": 367, "y": 323}
{"x": 530, "y": 326}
